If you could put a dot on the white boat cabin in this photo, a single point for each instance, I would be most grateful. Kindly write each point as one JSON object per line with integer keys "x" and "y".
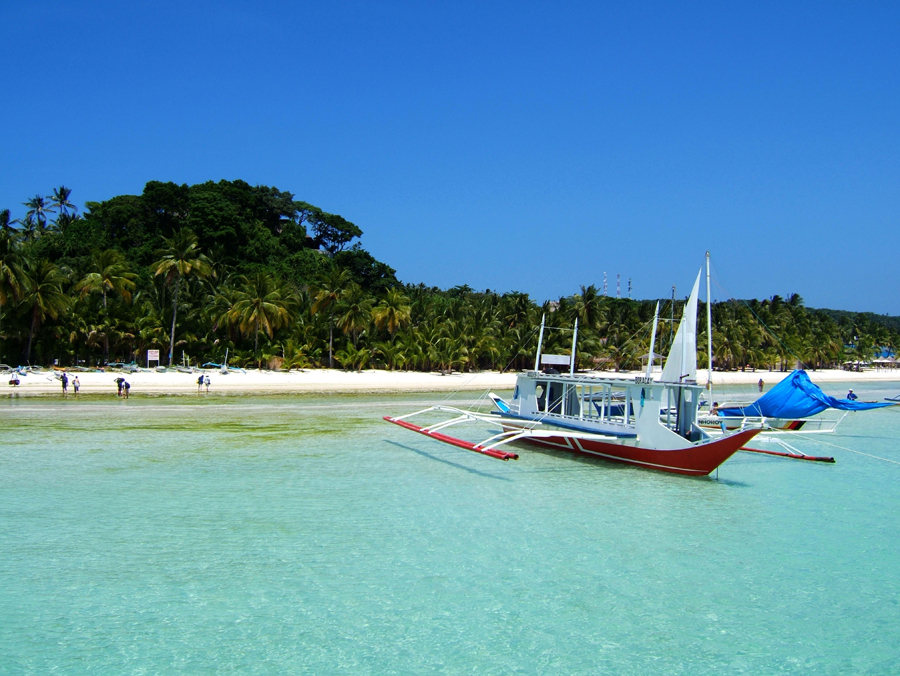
{"x": 611, "y": 406}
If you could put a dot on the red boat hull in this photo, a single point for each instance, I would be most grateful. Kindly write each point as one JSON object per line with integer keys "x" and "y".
{"x": 698, "y": 460}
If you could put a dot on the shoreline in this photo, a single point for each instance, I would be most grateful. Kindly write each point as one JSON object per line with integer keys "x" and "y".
{"x": 372, "y": 381}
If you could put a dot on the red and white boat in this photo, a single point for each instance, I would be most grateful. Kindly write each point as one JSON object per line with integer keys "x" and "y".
{"x": 639, "y": 421}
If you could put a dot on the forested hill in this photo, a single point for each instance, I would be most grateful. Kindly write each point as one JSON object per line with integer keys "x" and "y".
{"x": 242, "y": 227}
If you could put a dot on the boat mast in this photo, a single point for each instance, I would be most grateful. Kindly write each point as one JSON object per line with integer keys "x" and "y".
{"x": 709, "y": 362}
{"x": 574, "y": 342}
{"x": 653, "y": 341}
{"x": 537, "y": 359}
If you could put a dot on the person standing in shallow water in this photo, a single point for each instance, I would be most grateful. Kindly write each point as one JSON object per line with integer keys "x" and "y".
{"x": 119, "y": 382}
{"x": 206, "y": 382}
{"x": 65, "y": 382}
{"x": 126, "y": 388}
{"x": 761, "y": 384}
{"x": 75, "y": 385}
{"x": 199, "y": 383}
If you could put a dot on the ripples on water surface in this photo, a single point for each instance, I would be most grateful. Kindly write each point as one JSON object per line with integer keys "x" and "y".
{"x": 297, "y": 535}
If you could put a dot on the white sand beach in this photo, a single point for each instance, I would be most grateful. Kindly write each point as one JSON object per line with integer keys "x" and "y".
{"x": 337, "y": 381}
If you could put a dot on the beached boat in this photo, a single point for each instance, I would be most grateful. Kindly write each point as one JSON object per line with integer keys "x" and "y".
{"x": 640, "y": 421}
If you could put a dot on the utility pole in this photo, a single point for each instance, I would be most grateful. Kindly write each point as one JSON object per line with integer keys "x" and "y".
{"x": 672, "y": 323}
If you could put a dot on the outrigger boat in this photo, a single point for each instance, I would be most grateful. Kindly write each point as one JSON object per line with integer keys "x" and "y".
{"x": 792, "y": 405}
{"x": 639, "y": 421}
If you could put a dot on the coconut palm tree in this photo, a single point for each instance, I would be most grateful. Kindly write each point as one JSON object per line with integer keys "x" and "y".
{"x": 261, "y": 303}
{"x": 11, "y": 275}
{"x": 43, "y": 296}
{"x": 60, "y": 200}
{"x": 393, "y": 311}
{"x": 38, "y": 208}
{"x": 356, "y": 312}
{"x": 108, "y": 272}
{"x": 181, "y": 258}
{"x": 327, "y": 294}
{"x": 588, "y": 307}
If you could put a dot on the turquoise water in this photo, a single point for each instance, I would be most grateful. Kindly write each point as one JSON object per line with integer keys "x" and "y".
{"x": 280, "y": 535}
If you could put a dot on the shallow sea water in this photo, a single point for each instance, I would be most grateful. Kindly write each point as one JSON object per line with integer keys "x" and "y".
{"x": 299, "y": 534}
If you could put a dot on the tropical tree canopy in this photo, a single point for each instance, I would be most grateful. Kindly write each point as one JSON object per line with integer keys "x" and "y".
{"x": 280, "y": 283}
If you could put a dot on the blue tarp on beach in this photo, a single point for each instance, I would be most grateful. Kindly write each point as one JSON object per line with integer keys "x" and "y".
{"x": 797, "y": 397}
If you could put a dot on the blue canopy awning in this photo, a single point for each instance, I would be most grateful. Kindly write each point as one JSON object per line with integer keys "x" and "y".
{"x": 797, "y": 397}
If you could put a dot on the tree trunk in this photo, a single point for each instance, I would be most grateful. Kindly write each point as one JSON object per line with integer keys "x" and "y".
{"x": 174, "y": 314}
{"x": 256, "y": 344}
{"x": 331, "y": 342}
{"x": 105, "y": 333}
{"x": 31, "y": 332}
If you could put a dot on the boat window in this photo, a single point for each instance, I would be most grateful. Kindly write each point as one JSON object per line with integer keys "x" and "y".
{"x": 540, "y": 390}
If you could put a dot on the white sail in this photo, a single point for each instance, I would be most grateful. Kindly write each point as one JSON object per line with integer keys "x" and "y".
{"x": 681, "y": 365}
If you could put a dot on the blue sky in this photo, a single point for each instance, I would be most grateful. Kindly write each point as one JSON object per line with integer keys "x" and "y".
{"x": 513, "y": 146}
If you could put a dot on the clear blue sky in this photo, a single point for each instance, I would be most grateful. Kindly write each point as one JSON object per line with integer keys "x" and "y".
{"x": 513, "y": 146}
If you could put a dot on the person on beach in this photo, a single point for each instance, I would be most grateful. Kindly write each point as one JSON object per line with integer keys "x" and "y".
{"x": 75, "y": 385}
{"x": 126, "y": 388}
{"x": 206, "y": 382}
{"x": 715, "y": 411}
{"x": 14, "y": 378}
{"x": 65, "y": 383}
{"x": 852, "y": 396}
{"x": 761, "y": 384}
{"x": 119, "y": 382}
{"x": 200, "y": 383}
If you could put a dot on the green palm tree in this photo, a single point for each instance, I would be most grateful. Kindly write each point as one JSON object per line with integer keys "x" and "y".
{"x": 293, "y": 355}
{"x": 11, "y": 275}
{"x": 327, "y": 294}
{"x": 588, "y": 307}
{"x": 108, "y": 272}
{"x": 356, "y": 312}
{"x": 392, "y": 312}
{"x": 181, "y": 258}
{"x": 38, "y": 208}
{"x": 43, "y": 296}
{"x": 60, "y": 200}
{"x": 261, "y": 303}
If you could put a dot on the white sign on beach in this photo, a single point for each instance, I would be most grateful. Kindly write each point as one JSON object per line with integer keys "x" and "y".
{"x": 152, "y": 355}
{"x": 558, "y": 359}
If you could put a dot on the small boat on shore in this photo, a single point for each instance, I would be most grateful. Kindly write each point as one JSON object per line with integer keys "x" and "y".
{"x": 644, "y": 422}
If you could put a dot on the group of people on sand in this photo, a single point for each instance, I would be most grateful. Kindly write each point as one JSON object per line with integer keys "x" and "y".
{"x": 76, "y": 384}
{"x": 203, "y": 380}
{"x": 124, "y": 387}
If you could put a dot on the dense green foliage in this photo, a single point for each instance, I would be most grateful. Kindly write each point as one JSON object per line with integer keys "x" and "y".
{"x": 197, "y": 270}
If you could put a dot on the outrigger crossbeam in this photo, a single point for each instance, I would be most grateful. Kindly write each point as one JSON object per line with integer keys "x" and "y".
{"x": 490, "y": 445}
